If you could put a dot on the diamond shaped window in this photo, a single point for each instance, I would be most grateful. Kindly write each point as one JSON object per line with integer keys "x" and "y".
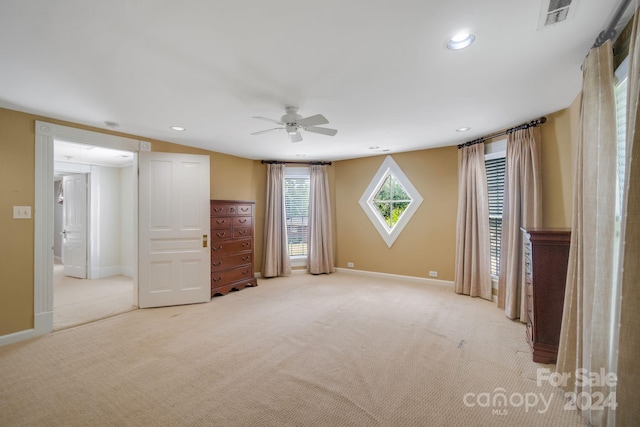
{"x": 390, "y": 201}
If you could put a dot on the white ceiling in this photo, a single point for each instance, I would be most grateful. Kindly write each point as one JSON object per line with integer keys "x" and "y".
{"x": 69, "y": 152}
{"x": 377, "y": 69}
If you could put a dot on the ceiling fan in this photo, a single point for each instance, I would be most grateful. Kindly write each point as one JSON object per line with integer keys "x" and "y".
{"x": 293, "y": 122}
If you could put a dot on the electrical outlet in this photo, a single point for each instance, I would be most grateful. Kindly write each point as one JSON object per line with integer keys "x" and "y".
{"x": 21, "y": 212}
{"x": 350, "y": 264}
{"x": 433, "y": 274}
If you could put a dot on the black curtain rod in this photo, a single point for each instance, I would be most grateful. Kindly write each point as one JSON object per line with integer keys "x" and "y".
{"x": 281, "y": 162}
{"x": 505, "y": 132}
{"x": 609, "y": 33}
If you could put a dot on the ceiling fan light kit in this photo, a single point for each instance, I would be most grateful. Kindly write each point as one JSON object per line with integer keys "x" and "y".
{"x": 293, "y": 122}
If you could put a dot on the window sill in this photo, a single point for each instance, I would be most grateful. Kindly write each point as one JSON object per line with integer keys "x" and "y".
{"x": 298, "y": 261}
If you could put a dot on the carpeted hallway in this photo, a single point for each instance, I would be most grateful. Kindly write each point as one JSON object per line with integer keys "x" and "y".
{"x": 333, "y": 350}
{"x": 79, "y": 301}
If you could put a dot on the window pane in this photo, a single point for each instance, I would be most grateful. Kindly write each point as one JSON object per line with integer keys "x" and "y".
{"x": 495, "y": 186}
{"x": 296, "y": 199}
{"x": 384, "y": 194}
{"x": 391, "y": 200}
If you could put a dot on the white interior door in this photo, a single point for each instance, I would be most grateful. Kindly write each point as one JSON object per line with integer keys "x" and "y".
{"x": 74, "y": 225}
{"x": 174, "y": 257}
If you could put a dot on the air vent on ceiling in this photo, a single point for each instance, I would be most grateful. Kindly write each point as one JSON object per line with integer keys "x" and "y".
{"x": 553, "y": 12}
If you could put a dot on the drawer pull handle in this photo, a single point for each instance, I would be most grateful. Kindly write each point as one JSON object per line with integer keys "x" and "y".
{"x": 243, "y": 232}
{"x": 217, "y": 263}
{"x": 221, "y": 233}
{"x": 245, "y": 272}
{"x": 245, "y": 245}
{"x": 218, "y": 279}
{"x": 221, "y": 221}
{"x": 232, "y": 210}
{"x": 242, "y": 220}
{"x": 245, "y": 258}
{"x": 219, "y": 248}
{"x": 244, "y": 209}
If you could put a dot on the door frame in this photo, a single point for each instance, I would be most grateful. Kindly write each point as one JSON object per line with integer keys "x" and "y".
{"x": 45, "y": 134}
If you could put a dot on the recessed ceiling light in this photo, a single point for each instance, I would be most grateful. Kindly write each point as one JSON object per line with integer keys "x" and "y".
{"x": 460, "y": 41}
{"x": 178, "y": 128}
{"x": 463, "y": 129}
{"x": 301, "y": 155}
{"x": 374, "y": 147}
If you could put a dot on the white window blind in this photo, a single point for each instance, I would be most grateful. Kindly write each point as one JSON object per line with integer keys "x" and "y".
{"x": 296, "y": 198}
{"x": 495, "y": 168}
{"x": 621, "y": 123}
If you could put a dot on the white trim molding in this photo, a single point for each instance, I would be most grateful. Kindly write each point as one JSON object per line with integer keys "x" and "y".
{"x": 399, "y": 277}
{"x": 389, "y": 168}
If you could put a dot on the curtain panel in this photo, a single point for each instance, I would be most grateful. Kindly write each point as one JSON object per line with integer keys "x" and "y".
{"x": 586, "y": 335}
{"x": 473, "y": 276}
{"x": 275, "y": 254}
{"x": 522, "y": 208}
{"x": 320, "y": 248}
{"x": 628, "y": 411}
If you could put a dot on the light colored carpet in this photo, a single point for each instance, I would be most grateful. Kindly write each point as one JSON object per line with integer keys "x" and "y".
{"x": 337, "y": 350}
{"x": 78, "y": 301}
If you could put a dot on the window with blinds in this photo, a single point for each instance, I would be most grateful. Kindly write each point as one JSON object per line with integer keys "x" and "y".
{"x": 495, "y": 168}
{"x": 296, "y": 200}
{"x": 621, "y": 124}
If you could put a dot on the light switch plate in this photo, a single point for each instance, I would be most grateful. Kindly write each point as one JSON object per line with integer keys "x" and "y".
{"x": 21, "y": 212}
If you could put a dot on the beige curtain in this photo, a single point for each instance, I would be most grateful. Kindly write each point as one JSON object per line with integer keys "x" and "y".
{"x": 473, "y": 276}
{"x": 320, "y": 231}
{"x": 275, "y": 254}
{"x": 586, "y": 337}
{"x": 522, "y": 208}
{"x": 628, "y": 412}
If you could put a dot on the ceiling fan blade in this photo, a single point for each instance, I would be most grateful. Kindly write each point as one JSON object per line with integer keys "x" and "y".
{"x": 323, "y": 131}
{"x": 295, "y": 137}
{"x": 265, "y": 131}
{"x": 268, "y": 119}
{"x": 318, "y": 119}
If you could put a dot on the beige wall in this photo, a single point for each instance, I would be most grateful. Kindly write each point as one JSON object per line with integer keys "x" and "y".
{"x": 17, "y": 182}
{"x": 558, "y": 152}
{"x": 428, "y": 241}
{"x": 231, "y": 178}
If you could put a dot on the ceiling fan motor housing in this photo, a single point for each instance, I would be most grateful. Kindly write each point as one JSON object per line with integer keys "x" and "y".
{"x": 291, "y": 118}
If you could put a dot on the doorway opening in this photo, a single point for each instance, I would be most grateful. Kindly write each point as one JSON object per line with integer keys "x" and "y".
{"x": 94, "y": 216}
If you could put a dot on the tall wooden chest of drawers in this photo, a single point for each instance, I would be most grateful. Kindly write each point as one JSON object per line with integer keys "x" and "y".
{"x": 546, "y": 257}
{"x": 231, "y": 246}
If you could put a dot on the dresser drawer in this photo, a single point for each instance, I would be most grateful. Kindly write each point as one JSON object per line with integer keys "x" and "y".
{"x": 231, "y": 261}
{"x": 221, "y": 222}
{"x": 222, "y": 234}
{"x": 244, "y": 210}
{"x": 239, "y": 233}
{"x": 219, "y": 278}
{"x": 242, "y": 221}
{"x": 219, "y": 209}
{"x": 231, "y": 246}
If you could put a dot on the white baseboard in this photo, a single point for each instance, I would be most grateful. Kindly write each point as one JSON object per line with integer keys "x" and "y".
{"x": 127, "y": 270}
{"x": 102, "y": 272}
{"x": 413, "y": 279}
{"x": 43, "y": 325}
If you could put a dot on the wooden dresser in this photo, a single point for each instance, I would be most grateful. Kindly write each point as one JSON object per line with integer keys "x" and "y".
{"x": 231, "y": 246}
{"x": 546, "y": 256}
